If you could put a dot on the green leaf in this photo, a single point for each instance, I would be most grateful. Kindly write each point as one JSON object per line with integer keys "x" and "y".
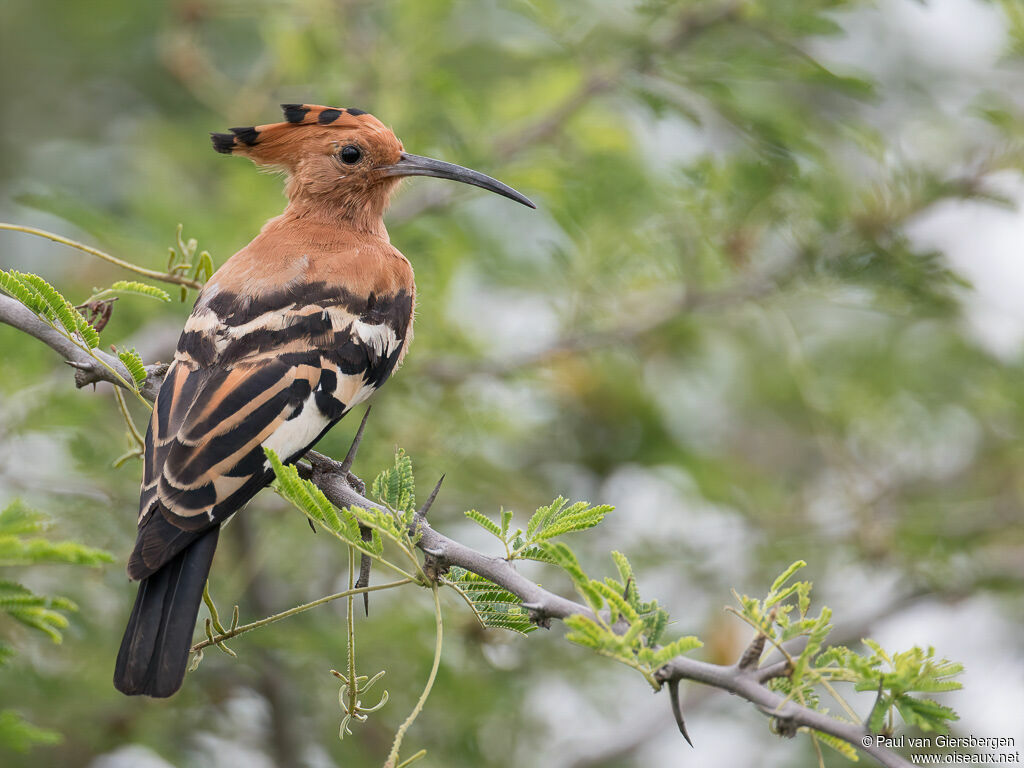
{"x": 396, "y": 487}
{"x": 840, "y": 746}
{"x": 134, "y": 364}
{"x": 815, "y": 639}
{"x": 19, "y": 735}
{"x": 6, "y": 652}
{"x": 559, "y": 517}
{"x": 311, "y": 500}
{"x": 786, "y": 575}
{"x": 485, "y": 522}
{"x": 564, "y": 557}
{"x": 586, "y": 632}
{"x": 876, "y": 718}
{"x": 62, "y": 309}
{"x": 616, "y": 602}
{"x": 625, "y": 570}
{"x": 494, "y": 606}
{"x": 142, "y": 289}
{"x": 35, "y": 611}
{"x": 540, "y": 517}
{"x": 676, "y": 648}
{"x": 925, "y": 714}
{"x": 204, "y": 267}
{"x": 17, "y": 551}
{"x": 657, "y": 621}
{"x": 536, "y": 553}
{"x": 15, "y": 288}
{"x": 55, "y": 307}
{"x": 17, "y": 519}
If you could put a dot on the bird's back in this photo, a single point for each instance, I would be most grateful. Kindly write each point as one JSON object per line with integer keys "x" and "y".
{"x": 289, "y": 334}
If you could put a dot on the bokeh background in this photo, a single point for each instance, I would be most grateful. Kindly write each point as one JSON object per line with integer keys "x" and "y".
{"x": 769, "y": 307}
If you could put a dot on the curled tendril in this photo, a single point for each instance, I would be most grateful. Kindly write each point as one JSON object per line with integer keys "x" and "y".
{"x": 357, "y": 710}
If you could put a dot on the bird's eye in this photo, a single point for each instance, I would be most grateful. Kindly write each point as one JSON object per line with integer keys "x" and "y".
{"x": 350, "y": 154}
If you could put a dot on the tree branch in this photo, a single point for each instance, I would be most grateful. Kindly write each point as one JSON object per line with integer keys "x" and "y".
{"x": 87, "y": 370}
{"x": 544, "y": 605}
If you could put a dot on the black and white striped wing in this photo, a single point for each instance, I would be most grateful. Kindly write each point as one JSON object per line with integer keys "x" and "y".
{"x": 245, "y": 377}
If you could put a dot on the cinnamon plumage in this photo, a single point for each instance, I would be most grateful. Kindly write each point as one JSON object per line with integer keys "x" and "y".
{"x": 292, "y": 332}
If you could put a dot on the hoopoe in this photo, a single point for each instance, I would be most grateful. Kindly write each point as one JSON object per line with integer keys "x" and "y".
{"x": 293, "y": 331}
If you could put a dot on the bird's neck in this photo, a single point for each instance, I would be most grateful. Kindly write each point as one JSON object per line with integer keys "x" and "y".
{"x": 339, "y": 215}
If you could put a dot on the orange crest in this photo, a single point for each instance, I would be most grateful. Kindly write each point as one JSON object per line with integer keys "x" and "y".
{"x": 309, "y": 129}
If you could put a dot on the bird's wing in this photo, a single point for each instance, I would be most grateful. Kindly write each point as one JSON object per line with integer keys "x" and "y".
{"x": 273, "y": 373}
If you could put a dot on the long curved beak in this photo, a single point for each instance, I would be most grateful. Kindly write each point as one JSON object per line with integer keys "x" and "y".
{"x": 417, "y": 165}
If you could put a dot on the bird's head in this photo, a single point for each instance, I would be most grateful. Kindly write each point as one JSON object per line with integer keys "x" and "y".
{"x": 343, "y": 158}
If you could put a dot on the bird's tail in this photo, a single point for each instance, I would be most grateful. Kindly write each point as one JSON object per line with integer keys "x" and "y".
{"x": 154, "y": 651}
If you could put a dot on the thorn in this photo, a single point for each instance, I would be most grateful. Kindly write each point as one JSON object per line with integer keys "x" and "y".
{"x": 350, "y": 457}
{"x": 79, "y": 366}
{"x": 311, "y": 526}
{"x": 366, "y": 534}
{"x": 430, "y": 499}
{"x": 677, "y": 709}
{"x": 625, "y": 591}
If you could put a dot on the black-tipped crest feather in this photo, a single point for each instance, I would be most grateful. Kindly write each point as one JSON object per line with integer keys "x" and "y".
{"x": 223, "y": 142}
{"x": 294, "y": 113}
{"x": 247, "y": 135}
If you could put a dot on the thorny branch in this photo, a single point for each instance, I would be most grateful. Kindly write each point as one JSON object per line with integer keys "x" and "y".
{"x": 339, "y": 486}
{"x": 87, "y": 370}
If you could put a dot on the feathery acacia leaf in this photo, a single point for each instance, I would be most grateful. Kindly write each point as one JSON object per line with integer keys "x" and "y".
{"x": 62, "y": 309}
{"x": 45, "y": 300}
{"x": 485, "y": 522}
{"x": 396, "y": 486}
{"x": 141, "y": 289}
{"x": 559, "y": 517}
{"x": 310, "y": 499}
{"x": 134, "y": 364}
{"x": 494, "y": 606}
{"x": 17, "y": 520}
{"x": 15, "y": 288}
{"x": 19, "y": 735}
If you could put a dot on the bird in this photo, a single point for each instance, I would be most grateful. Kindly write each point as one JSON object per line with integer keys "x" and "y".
{"x": 301, "y": 325}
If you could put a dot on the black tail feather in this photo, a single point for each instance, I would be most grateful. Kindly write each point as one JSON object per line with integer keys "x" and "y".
{"x": 155, "y": 648}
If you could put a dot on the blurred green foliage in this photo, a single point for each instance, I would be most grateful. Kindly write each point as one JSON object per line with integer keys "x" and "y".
{"x": 716, "y": 321}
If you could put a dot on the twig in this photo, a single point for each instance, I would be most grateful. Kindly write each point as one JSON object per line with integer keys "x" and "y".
{"x": 292, "y": 611}
{"x": 166, "y": 277}
{"x": 350, "y": 630}
{"x": 400, "y": 733}
{"x": 87, "y": 370}
{"x": 136, "y": 436}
